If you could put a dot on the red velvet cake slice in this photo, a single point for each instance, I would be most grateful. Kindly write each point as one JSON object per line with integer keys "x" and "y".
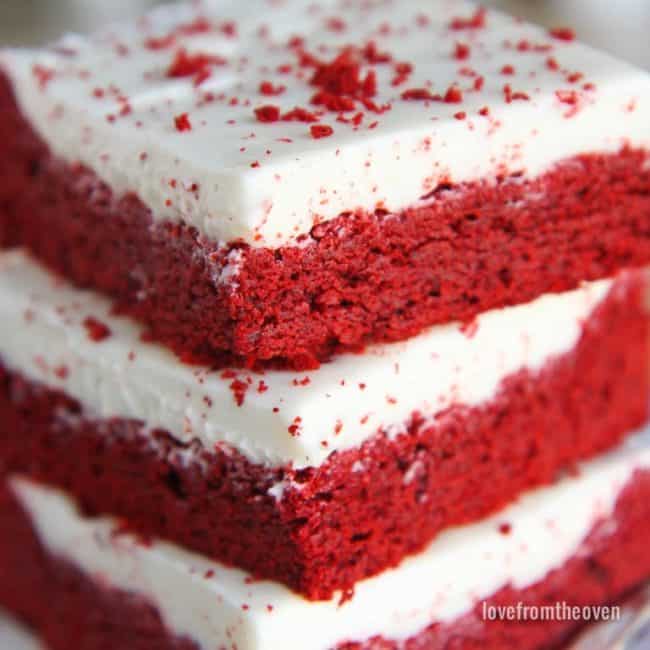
{"x": 84, "y": 583}
{"x": 275, "y": 182}
{"x": 315, "y": 479}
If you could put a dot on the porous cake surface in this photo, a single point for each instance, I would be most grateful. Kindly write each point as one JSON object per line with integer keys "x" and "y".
{"x": 591, "y": 528}
{"x": 256, "y": 121}
{"x": 302, "y": 477}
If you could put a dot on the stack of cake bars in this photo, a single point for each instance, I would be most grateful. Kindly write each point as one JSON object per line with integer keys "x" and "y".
{"x": 322, "y": 326}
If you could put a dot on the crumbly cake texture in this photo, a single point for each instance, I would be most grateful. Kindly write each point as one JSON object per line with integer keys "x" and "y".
{"x": 316, "y": 529}
{"x": 276, "y": 241}
{"x": 56, "y": 565}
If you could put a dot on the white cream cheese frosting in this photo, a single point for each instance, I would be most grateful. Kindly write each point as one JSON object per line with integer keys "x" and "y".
{"x": 219, "y": 607}
{"x": 285, "y": 417}
{"x": 235, "y": 178}
{"x": 14, "y": 636}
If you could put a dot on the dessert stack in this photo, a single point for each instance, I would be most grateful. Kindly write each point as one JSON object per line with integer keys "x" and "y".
{"x": 322, "y": 327}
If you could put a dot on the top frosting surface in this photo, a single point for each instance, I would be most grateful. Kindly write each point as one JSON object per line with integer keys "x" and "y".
{"x": 437, "y": 91}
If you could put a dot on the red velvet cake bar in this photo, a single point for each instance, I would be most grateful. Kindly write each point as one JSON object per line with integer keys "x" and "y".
{"x": 273, "y": 185}
{"x": 315, "y": 479}
{"x": 84, "y": 583}
{"x": 323, "y": 326}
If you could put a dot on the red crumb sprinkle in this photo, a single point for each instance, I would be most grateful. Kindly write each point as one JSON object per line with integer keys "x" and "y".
{"x": 569, "y": 97}
{"x": 372, "y": 54}
{"x": 511, "y": 96}
{"x": 161, "y": 43}
{"x": 269, "y": 608}
{"x": 485, "y": 111}
{"x": 43, "y": 75}
{"x": 476, "y": 21}
{"x": 238, "y": 387}
{"x": 229, "y": 29}
{"x": 462, "y": 52}
{"x": 418, "y": 94}
{"x": 336, "y": 24}
{"x": 454, "y": 95}
{"x": 508, "y": 69}
{"x": 294, "y": 429}
{"x": 61, "y": 372}
{"x": 461, "y": 115}
{"x": 267, "y": 88}
{"x": 505, "y": 529}
{"x": 262, "y": 387}
{"x": 267, "y": 114}
{"x": 209, "y": 574}
{"x": 319, "y": 131}
{"x": 182, "y": 123}
{"x": 193, "y": 65}
{"x": 300, "y": 115}
{"x": 470, "y": 328}
{"x": 340, "y": 82}
{"x": 97, "y": 331}
{"x": 563, "y": 34}
{"x": 479, "y": 82}
{"x": 552, "y": 63}
{"x": 403, "y": 71}
{"x": 255, "y": 164}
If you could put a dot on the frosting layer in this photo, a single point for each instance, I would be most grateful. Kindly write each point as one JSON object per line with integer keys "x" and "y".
{"x": 14, "y": 637}
{"x": 217, "y": 605}
{"x": 48, "y": 332}
{"x": 166, "y": 107}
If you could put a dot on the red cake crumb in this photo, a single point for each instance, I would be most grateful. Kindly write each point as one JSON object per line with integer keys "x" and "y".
{"x": 267, "y": 114}
{"x": 552, "y": 64}
{"x": 160, "y": 43}
{"x": 462, "y": 51}
{"x": 418, "y": 94}
{"x": 563, "y": 34}
{"x": 182, "y": 123}
{"x": 68, "y": 609}
{"x": 476, "y": 21}
{"x": 372, "y": 54}
{"x": 321, "y": 131}
{"x": 196, "y": 65}
{"x": 44, "y": 75}
{"x": 97, "y": 331}
{"x": 267, "y": 88}
{"x": 263, "y": 323}
{"x": 300, "y": 115}
{"x": 216, "y": 502}
{"x": 511, "y": 96}
{"x": 453, "y": 95}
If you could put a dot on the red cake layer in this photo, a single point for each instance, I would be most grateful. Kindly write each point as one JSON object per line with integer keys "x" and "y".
{"x": 364, "y": 509}
{"x": 71, "y": 611}
{"x": 607, "y": 566}
{"x": 67, "y": 609}
{"x": 355, "y": 279}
